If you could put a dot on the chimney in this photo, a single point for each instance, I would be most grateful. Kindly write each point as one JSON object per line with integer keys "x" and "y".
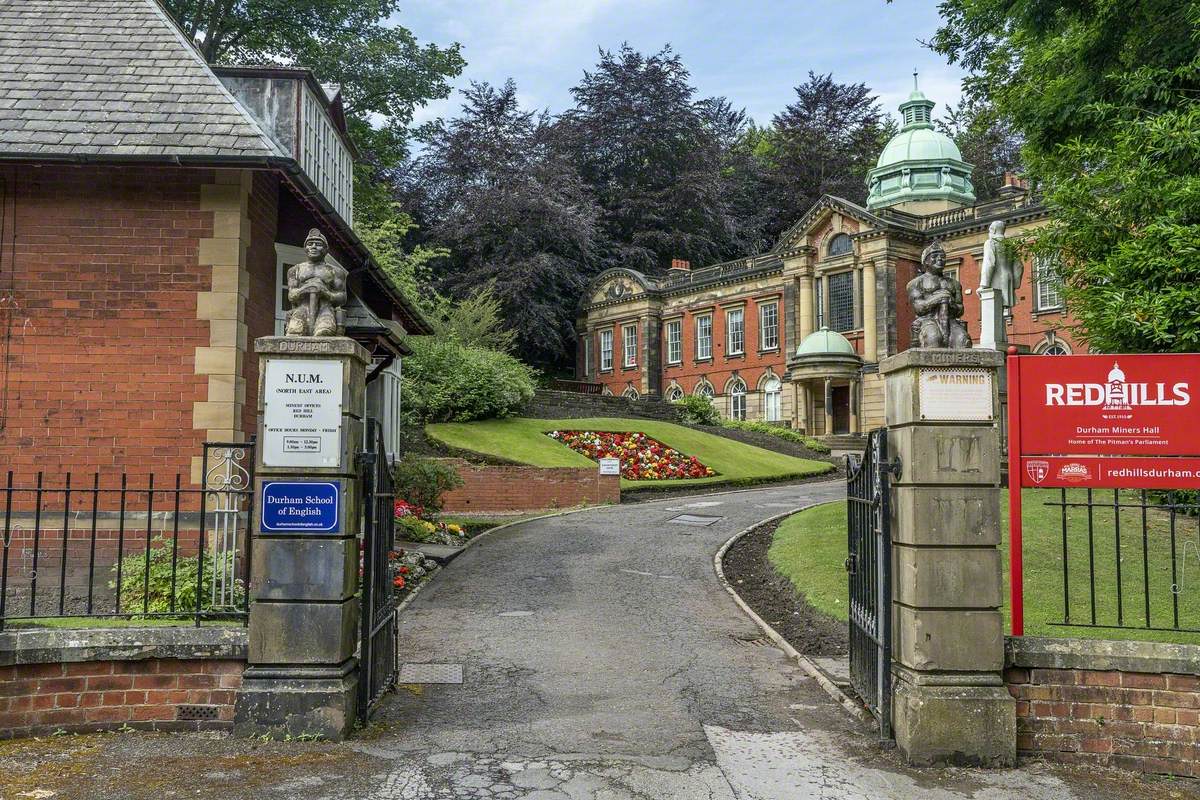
{"x": 1014, "y": 184}
{"x": 678, "y": 264}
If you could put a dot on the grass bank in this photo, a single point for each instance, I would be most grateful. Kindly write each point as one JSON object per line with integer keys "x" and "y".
{"x": 810, "y": 547}
{"x": 525, "y": 441}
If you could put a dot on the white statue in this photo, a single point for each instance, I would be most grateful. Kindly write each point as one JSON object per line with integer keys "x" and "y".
{"x": 1000, "y": 270}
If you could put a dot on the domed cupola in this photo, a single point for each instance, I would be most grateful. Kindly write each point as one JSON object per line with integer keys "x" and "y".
{"x": 920, "y": 170}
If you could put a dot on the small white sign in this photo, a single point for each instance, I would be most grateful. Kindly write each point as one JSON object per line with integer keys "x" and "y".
{"x": 610, "y": 466}
{"x": 955, "y": 393}
{"x": 302, "y": 413}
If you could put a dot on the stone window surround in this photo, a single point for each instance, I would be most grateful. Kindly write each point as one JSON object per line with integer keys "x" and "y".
{"x": 762, "y": 304}
{"x": 600, "y": 336}
{"x": 628, "y": 356}
{"x": 730, "y": 309}
{"x": 705, "y": 315}
{"x": 677, "y": 322}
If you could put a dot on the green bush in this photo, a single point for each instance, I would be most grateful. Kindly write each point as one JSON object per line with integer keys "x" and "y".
{"x": 698, "y": 411}
{"x": 777, "y": 431}
{"x": 422, "y": 481}
{"x": 414, "y": 529}
{"x": 133, "y": 581}
{"x": 445, "y": 381}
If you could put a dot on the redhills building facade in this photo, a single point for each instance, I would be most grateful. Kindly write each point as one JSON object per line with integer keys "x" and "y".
{"x": 149, "y": 209}
{"x": 795, "y": 335}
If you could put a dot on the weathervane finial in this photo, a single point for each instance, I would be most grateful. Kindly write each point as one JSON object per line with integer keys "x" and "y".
{"x": 915, "y": 87}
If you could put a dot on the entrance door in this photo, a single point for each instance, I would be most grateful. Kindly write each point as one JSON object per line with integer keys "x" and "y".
{"x": 841, "y": 409}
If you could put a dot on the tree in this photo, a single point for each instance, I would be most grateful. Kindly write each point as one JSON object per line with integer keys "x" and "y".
{"x": 514, "y": 215}
{"x": 987, "y": 141}
{"x": 825, "y": 142}
{"x": 651, "y": 153}
{"x": 384, "y": 73}
{"x": 1105, "y": 94}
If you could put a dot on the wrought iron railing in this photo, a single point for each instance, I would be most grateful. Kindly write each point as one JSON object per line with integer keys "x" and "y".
{"x": 130, "y": 546}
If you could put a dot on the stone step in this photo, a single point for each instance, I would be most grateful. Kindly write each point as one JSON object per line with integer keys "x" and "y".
{"x": 441, "y": 553}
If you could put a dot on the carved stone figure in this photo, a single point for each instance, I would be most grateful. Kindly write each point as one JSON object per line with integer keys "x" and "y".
{"x": 316, "y": 291}
{"x": 937, "y": 301}
{"x": 1000, "y": 270}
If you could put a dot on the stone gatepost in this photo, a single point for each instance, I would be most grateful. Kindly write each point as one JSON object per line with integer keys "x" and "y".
{"x": 950, "y": 704}
{"x": 302, "y": 676}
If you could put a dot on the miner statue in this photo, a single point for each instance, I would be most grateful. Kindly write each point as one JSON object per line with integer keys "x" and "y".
{"x": 937, "y": 301}
{"x": 316, "y": 291}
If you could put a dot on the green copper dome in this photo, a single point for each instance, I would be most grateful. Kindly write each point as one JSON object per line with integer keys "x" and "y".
{"x": 920, "y": 163}
{"x": 825, "y": 342}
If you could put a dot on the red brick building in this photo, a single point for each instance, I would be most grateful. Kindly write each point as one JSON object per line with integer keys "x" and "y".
{"x": 149, "y": 208}
{"x": 795, "y": 335}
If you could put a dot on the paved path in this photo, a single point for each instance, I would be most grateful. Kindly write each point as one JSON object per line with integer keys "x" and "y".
{"x": 602, "y": 660}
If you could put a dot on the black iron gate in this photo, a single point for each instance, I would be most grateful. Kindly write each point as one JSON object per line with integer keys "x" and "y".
{"x": 870, "y": 577}
{"x": 378, "y": 649}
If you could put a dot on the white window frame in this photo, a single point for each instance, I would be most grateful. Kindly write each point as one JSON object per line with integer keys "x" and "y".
{"x": 773, "y": 328}
{"x": 587, "y": 356}
{"x": 735, "y": 331}
{"x": 704, "y": 389}
{"x": 704, "y": 341}
{"x": 674, "y": 341}
{"x": 629, "y": 337}
{"x": 383, "y": 404}
{"x": 1047, "y": 289}
{"x": 772, "y": 399}
{"x": 606, "y": 350}
{"x": 631, "y": 393}
{"x": 819, "y": 301}
{"x": 674, "y": 394}
{"x": 737, "y": 400}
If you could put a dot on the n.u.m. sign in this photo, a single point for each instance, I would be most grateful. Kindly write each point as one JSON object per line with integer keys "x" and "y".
{"x": 1110, "y": 421}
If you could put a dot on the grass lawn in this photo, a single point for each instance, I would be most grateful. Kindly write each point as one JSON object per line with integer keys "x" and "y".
{"x": 525, "y": 441}
{"x": 810, "y": 547}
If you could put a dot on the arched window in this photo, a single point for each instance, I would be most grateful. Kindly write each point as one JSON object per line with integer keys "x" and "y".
{"x": 674, "y": 394}
{"x": 839, "y": 245}
{"x": 704, "y": 389}
{"x": 772, "y": 395}
{"x": 1055, "y": 349}
{"x": 737, "y": 399}
{"x": 631, "y": 393}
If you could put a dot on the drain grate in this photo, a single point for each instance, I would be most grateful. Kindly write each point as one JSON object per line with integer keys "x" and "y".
{"x": 431, "y": 673}
{"x": 694, "y": 520}
{"x": 190, "y": 712}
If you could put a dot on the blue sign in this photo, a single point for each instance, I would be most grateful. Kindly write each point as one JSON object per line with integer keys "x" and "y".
{"x": 300, "y": 506}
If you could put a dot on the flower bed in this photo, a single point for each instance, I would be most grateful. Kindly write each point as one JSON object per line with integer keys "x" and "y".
{"x": 642, "y": 458}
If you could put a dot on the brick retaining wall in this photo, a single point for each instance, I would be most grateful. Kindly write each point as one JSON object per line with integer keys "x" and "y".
{"x": 499, "y": 489}
{"x": 92, "y": 680}
{"x": 1130, "y": 705}
{"x": 550, "y": 404}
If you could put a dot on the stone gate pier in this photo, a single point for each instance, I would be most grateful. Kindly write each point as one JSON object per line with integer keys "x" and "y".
{"x": 950, "y": 704}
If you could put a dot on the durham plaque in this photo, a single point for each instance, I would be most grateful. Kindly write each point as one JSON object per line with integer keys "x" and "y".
{"x": 302, "y": 413}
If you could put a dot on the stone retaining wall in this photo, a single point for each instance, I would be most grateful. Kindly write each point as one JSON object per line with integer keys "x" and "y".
{"x": 550, "y": 404}
{"x": 1130, "y": 705}
{"x": 91, "y": 680}
{"x": 500, "y": 489}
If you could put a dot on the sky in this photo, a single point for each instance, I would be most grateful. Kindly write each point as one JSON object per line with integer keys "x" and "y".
{"x": 753, "y": 52}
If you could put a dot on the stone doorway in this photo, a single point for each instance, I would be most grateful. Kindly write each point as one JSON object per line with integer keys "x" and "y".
{"x": 840, "y": 409}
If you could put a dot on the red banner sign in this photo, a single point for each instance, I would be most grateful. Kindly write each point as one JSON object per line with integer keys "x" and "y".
{"x": 1099, "y": 472}
{"x": 1109, "y": 405}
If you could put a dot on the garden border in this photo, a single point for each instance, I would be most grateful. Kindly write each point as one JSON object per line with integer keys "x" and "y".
{"x": 854, "y": 708}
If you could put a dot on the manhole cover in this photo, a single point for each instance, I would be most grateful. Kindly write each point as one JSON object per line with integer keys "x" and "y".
{"x": 695, "y": 520}
{"x": 760, "y": 641}
{"x": 431, "y": 673}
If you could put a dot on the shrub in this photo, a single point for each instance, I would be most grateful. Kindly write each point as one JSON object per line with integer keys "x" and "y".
{"x": 777, "y": 431}
{"x": 415, "y": 529}
{"x": 133, "y": 581}
{"x": 422, "y": 481}
{"x": 698, "y": 411}
{"x": 446, "y": 381}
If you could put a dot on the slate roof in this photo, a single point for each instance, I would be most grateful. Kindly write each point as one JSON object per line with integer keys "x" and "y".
{"x": 112, "y": 78}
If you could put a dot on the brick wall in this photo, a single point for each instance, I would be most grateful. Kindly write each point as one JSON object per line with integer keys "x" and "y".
{"x": 493, "y": 489}
{"x": 39, "y": 699}
{"x": 99, "y": 283}
{"x": 1145, "y": 721}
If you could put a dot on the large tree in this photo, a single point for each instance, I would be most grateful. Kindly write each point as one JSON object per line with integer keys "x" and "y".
{"x": 384, "y": 72}
{"x": 492, "y": 188}
{"x": 824, "y": 142}
{"x": 987, "y": 141}
{"x": 1106, "y": 94}
{"x": 651, "y": 151}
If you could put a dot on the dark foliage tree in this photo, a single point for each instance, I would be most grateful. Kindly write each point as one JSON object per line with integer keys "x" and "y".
{"x": 825, "y": 142}
{"x": 513, "y": 213}
{"x": 383, "y": 70}
{"x": 651, "y": 152}
{"x": 987, "y": 141}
